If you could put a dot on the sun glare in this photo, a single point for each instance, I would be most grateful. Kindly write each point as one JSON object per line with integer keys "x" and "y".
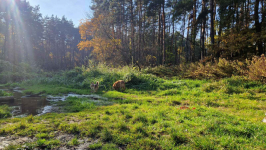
{"x": 22, "y": 33}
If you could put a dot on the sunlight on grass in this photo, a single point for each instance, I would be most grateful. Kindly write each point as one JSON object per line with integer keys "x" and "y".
{"x": 225, "y": 114}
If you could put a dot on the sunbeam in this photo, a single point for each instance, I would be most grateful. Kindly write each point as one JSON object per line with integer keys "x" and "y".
{"x": 22, "y": 46}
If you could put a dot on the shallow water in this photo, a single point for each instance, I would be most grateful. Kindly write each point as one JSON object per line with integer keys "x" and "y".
{"x": 38, "y": 105}
{"x": 23, "y": 105}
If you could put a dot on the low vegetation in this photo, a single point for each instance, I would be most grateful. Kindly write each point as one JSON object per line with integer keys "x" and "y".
{"x": 4, "y": 112}
{"x": 4, "y": 93}
{"x": 16, "y": 73}
{"x": 152, "y": 113}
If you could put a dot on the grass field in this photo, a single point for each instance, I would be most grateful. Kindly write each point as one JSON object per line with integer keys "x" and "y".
{"x": 152, "y": 113}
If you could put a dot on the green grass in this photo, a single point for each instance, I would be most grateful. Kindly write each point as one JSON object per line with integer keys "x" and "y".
{"x": 95, "y": 146}
{"x": 224, "y": 114}
{"x": 4, "y": 93}
{"x": 73, "y": 104}
{"x": 4, "y": 111}
{"x": 74, "y": 142}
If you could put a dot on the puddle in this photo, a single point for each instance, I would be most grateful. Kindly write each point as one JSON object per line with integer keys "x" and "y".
{"x": 37, "y": 105}
{"x": 22, "y": 105}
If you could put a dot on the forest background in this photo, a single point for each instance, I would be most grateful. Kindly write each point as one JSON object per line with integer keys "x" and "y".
{"x": 122, "y": 32}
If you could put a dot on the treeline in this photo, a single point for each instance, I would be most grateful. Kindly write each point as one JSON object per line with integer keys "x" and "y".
{"x": 47, "y": 42}
{"x": 154, "y": 32}
{"x": 140, "y": 32}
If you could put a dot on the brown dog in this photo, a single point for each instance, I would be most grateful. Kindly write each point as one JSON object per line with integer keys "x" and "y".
{"x": 95, "y": 87}
{"x": 119, "y": 85}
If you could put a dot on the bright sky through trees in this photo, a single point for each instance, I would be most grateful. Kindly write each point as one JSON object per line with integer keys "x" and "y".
{"x": 72, "y": 9}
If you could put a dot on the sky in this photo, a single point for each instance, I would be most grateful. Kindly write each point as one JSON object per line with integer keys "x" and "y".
{"x": 74, "y": 10}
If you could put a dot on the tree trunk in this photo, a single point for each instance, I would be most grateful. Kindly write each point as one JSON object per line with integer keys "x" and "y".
{"x": 140, "y": 23}
{"x": 132, "y": 30}
{"x": 163, "y": 19}
{"x": 212, "y": 22}
{"x": 194, "y": 28}
{"x": 182, "y": 40}
{"x": 174, "y": 45}
{"x": 258, "y": 28}
{"x": 187, "y": 42}
{"x": 212, "y": 26}
{"x": 202, "y": 37}
{"x": 159, "y": 37}
{"x": 247, "y": 14}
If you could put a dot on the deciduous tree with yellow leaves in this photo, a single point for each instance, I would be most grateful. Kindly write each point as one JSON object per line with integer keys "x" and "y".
{"x": 97, "y": 36}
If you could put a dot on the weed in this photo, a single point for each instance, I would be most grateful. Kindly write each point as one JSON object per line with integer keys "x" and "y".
{"x": 41, "y": 142}
{"x": 42, "y": 136}
{"x": 53, "y": 143}
{"x": 4, "y": 93}
{"x": 30, "y": 118}
{"x": 140, "y": 118}
{"x": 5, "y": 111}
{"x": 74, "y": 142}
{"x": 110, "y": 146}
{"x": 95, "y": 146}
{"x": 179, "y": 138}
{"x": 106, "y": 135}
{"x": 122, "y": 126}
{"x": 12, "y": 147}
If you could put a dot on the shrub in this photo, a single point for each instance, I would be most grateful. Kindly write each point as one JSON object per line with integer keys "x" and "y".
{"x": 6, "y": 66}
{"x": 199, "y": 70}
{"x": 16, "y": 73}
{"x": 257, "y": 69}
{"x": 141, "y": 81}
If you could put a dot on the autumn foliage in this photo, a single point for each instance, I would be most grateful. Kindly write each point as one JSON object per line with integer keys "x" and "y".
{"x": 254, "y": 69}
{"x": 257, "y": 69}
{"x": 95, "y": 38}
